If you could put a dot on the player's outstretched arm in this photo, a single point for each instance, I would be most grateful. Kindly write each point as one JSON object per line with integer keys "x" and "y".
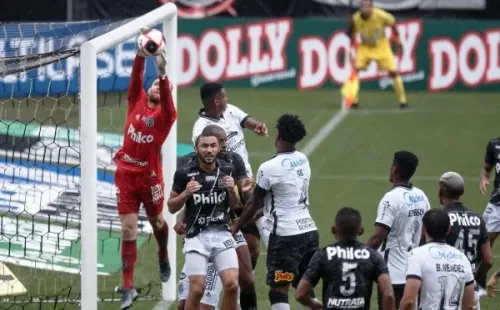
{"x": 256, "y": 126}
{"x": 386, "y": 291}
{"x": 308, "y": 281}
{"x": 168, "y": 112}
{"x": 254, "y": 204}
{"x": 468, "y": 298}
{"x": 135, "y": 87}
{"x": 409, "y": 300}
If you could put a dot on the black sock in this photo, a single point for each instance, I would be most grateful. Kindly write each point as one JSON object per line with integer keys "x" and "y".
{"x": 248, "y": 299}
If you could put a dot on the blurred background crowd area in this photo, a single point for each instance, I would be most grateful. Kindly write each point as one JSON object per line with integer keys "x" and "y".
{"x": 74, "y": 10}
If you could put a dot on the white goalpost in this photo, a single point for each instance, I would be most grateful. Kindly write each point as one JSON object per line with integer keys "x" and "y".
{"x": 167, "y": 16}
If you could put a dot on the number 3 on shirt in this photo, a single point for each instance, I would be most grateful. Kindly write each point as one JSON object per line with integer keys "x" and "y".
{"x": 348, "y": 278}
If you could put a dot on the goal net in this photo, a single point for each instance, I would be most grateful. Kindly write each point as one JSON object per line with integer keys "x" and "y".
{"x": 60, "y": 231}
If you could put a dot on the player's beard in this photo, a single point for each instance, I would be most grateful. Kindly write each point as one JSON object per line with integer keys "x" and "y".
{"x": 207, "y": 160}
{"x": 154, "y": 98}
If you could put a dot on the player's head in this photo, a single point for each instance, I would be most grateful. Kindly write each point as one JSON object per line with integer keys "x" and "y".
{"x": 213, "y": 96}
{"x": 436, "y": 224}
{"x": 451, "y": 187}
{"x": 290, "y": 130}
{"x": 207, "y": 148}
{"x": 154, "y": 91}
{"x": 366, "y": 7}
{"x": 403, "y": 166}
{"x": 347, "y": 224}
{"x": 219, "y": 132}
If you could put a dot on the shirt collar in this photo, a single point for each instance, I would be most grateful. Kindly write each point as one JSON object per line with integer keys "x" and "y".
{"x": 409, "y": 186}
{"x": 202, "y": 111}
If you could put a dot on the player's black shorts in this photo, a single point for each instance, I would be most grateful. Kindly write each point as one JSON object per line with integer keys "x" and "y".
{"x": 399, "y": 289}
{"x": 251, "y": 229}
{"x": 289, "y": 256}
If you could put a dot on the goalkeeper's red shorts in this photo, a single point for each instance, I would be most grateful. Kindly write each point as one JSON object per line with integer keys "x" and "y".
{"x": 133, "y": 188}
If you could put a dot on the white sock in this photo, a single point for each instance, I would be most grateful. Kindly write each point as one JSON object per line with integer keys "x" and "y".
{"x": 280, "y": 306}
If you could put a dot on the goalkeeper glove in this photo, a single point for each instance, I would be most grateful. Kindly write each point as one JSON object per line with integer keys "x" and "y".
{"x": 161, "y": 63}
{"x": 139, "y": 51}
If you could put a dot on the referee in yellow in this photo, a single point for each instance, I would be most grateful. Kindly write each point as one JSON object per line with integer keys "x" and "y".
{"x": 370, "y": 22}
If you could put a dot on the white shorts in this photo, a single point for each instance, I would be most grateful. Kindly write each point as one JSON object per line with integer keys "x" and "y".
{"x": 239, "y": 239}
{"x": 213, "y": 286}
{"x": 215, "y": 244}
{"x": 264, "y": 225}
{"x": 491, "y": 217}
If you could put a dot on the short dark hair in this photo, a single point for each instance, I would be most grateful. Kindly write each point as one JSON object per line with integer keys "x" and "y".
{"x": 348, "y": 222}
{"x": 406, "y": 164}
{"x": 291, "y": 128}
{"x": 436, "y": 223}
{"x": 214, "y": 130}
{"x": 204, "y": 135}
{"x": 209, "y": 90}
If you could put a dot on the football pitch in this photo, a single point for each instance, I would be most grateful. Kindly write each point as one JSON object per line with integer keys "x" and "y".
{"x": 349, "y": 156}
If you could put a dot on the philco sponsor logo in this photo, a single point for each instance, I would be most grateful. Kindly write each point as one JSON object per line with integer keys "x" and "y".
{"x": 464, "y": 220}
{"x": 212, "y": 198}
{"x": 346, "y": 253}
{"x": 283, "y": 276}
{"x": 138, "y": 137}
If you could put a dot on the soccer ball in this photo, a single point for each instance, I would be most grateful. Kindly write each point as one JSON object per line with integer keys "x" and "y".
{"x": 151, "y": 42}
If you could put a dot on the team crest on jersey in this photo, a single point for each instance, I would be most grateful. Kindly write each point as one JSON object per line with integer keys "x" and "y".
{"x": 149, "y": 121}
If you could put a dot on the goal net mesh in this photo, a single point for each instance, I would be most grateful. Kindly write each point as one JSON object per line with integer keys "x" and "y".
{"x": 40, "y": 173}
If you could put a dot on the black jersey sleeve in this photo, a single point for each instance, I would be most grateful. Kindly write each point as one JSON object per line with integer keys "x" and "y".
{"x": 240, "y": 170}
{"x": 179, "y": 184}
{"x": 313, "y": 272}
{"x": 489, "y": 156}
{"x": 379, "y": 264}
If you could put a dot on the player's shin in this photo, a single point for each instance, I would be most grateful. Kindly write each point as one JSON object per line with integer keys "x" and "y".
{"x": 161, "y": 236}
{"x": 399, "y": 89}
{"x": 129, "y": 257}
{"x": 248, "y": 297}
{"x": 279, "y": 300}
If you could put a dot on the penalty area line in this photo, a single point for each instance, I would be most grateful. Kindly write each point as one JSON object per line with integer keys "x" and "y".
{"x": 325, "y": 131}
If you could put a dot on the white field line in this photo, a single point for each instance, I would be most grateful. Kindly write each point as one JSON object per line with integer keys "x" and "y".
{"x": 324, "y": 132}
{"x": 382, "y": 178}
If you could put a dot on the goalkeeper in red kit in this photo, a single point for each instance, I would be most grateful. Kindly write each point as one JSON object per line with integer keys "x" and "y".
{"x": 139, "y": 177}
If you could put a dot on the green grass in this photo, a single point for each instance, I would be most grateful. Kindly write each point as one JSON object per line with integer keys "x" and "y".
{"x": 448, "y": 131}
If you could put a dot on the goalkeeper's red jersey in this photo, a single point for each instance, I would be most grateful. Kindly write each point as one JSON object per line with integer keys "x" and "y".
{"x": 146, "y": 129}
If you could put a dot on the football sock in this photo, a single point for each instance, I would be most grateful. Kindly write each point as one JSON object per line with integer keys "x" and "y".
{"x": 161, "y": 236}
{"x": 248, "y": 299}
{"x": 280, "y": 306}
{"x": 399, "y": 88}
{"x": 278, "y": 301}
{"x": 129, "y": 256}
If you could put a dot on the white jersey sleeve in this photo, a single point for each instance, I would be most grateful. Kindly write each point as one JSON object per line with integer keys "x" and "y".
{"x": 386, "y": 212}
{"x": 414, "y": 267}
{"x": 240, "y": 115}
{"x": 264, "y": 177}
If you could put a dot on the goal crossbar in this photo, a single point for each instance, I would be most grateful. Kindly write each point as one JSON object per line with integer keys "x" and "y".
{"x": 167, "y": 16}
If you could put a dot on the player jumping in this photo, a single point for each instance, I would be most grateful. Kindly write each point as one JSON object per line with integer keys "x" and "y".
{"x": 348, "y": 269}
{"x": 210, "y": 300}
{"x": 370, "y": 22}
{"x": 139, "y": 177}
{"x": 468, "y": 231}
{"x": 398, "y": 227}
{"x": 206, "y": 187}
{"x": 218, "y": 111}
{"x": 437, "y": 272}
{"x": 492, "y": 212}
{"x": 283, "y": 190}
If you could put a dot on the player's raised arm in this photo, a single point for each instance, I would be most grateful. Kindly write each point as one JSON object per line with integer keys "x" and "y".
{"x": 248, "y": 122}
{"x": 168, "y": 112}
{"x": 135, "y": 88}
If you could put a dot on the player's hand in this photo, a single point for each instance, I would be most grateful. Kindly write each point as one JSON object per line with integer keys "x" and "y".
{"x": 139, "y": 51}
{"x": 192, "y": 187}
{"x": 234, "y": 227}
{"x": 261, "y": 129}
{"x": 161, "y": 63}
{"x": 316, "y": 305}
{"x": 180, "y": 228}
{"x": 492, "y": 284}
{"x": 483, "y": 185}
{"x": 228, "y": 182}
